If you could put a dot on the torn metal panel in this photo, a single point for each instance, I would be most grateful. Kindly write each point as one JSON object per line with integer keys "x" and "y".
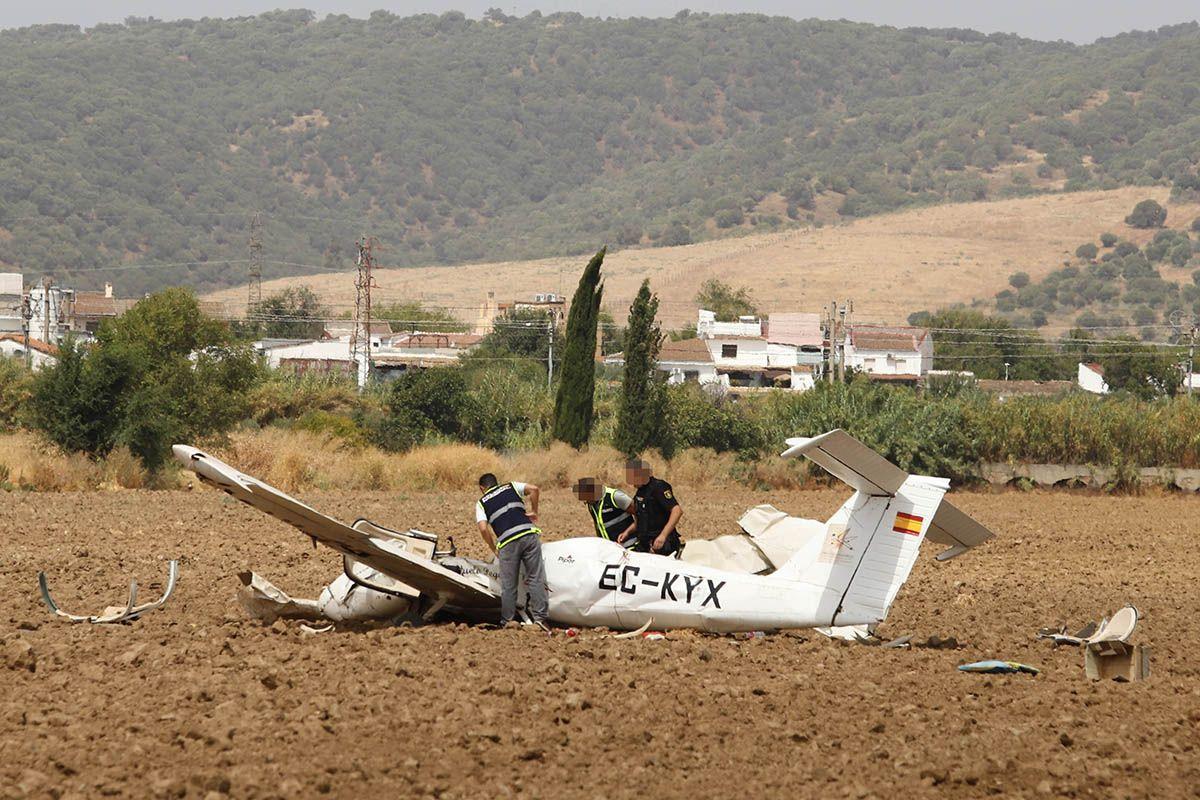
{"x": 340, "y": 601}
{"x": 114, "y": 614}
{"x": 1117, "y": 629}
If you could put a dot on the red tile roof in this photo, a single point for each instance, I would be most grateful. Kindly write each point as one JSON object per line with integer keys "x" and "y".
{"x": 686, "y": 351}
{"x": 34, "y": 344}
{"x": 881, "y": 337}
{"x": 94, "y": 304}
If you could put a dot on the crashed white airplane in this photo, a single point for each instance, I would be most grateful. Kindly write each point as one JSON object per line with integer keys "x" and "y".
{"x": 781, "y": 572}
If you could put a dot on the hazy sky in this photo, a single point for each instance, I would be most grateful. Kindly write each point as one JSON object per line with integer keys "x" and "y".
{"x": 1077, "y": 21}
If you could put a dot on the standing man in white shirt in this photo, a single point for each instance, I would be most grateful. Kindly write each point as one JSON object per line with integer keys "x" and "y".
{"x": 509, "y": 528}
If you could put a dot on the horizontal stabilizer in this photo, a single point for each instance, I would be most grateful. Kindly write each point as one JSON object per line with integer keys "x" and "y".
{"x": 955, "y": 528}
{"x": 850, "y": 461}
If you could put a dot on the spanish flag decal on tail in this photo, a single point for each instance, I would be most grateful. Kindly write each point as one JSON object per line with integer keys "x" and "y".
{"x": 908, "y": 523}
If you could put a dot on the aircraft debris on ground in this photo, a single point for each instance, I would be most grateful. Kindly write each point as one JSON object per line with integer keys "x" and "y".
{"x": 1107, "y": 650}
{"x": 780, "y": 572}
{"x": 994, "y": 667}
{"x": 114, "y": 614}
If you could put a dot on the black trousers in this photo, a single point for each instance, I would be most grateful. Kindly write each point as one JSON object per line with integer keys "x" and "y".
{"x": 673, "y": 545}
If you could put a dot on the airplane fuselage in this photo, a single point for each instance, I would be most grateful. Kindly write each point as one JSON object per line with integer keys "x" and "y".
{"x": 596, "y": 582}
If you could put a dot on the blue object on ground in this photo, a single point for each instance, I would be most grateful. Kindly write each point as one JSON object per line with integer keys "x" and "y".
{"x": 998, "y": 667}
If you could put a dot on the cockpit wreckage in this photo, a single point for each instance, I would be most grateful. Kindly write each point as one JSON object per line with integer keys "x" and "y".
{"x": 781, "y": 572}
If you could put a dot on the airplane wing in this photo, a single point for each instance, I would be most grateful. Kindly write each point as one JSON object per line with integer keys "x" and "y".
{"x": 387, "y": 556}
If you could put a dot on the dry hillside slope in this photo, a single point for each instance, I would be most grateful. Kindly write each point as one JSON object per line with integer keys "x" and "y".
{"x": 890, "y": 265}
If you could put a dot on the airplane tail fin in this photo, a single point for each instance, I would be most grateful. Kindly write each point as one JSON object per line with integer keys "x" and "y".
{"x": 872, "y": 541}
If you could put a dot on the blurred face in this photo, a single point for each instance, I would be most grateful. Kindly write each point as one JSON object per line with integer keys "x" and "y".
{"x": 587, "y": 493}
{"x": 637, "y": 476}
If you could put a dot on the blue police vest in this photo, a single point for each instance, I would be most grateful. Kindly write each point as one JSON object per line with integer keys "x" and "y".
{"x": 505, "y": 512}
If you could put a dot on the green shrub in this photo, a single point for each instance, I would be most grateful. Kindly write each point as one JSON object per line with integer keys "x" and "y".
{"x": 16, "y": 387}
{"x": 918, "y": 434}
{"x": 161, "y": 373}
{"x": 698, "y": 419}
{"x": 1147, "y": 214}
{"x": 285, "y": 395}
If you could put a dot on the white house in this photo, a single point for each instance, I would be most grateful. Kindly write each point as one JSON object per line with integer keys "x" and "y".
{"x": 49, "y": 308}
{"x": 12, "y": 289}
{"x": 418, "y": 350}
{"x": 1091, "y": 378}
{"x": 684, "y": 361}
{"x": 896, "y": 352}
{"x": 799, "y": 333}
{"x": 41, "y": 354}
{"x": 688, "y": 361}
{"x": 786, "y": 350}
{"x": 390, "y": 354}
{"x": 322, "y": 355}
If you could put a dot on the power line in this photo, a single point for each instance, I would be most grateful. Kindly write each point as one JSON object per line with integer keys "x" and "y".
{"x": 210, "y": 262}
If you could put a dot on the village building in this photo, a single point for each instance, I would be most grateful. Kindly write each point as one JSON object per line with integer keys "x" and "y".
{"x": 783, "y": 351}
{"x": 391, "y": 354}
{"x": 687, "y": 361}
{"x": 87, "y": 311}
{"x": 1091, "y": 378}
{"x": 40, "y": 354}
{"x": 12, "y": 294}
{"x": 551, "y": 304}
{"x": 419, "y": 350}
{"x": 900, "y": 354}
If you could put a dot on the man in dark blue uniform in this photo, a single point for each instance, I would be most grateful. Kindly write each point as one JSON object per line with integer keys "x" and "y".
{"x": 656, "y": 509}
{"x": 507, "y": 527}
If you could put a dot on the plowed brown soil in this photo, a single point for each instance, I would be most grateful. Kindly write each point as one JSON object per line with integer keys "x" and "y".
{"x": 196, "y": 700}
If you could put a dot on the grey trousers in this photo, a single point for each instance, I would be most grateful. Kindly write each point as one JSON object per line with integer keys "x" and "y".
{"x": 524, "y": 552}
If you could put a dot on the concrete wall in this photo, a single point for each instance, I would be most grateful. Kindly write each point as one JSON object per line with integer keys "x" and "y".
{"x": 1087, "y": 476}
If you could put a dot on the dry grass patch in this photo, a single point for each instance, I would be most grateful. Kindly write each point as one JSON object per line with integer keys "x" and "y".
{"x": 296, "y": 461}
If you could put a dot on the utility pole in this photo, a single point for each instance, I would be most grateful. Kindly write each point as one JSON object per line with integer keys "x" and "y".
{"x": 254, "y": 284}
{"x": 847, "y": 311}
{"x": 47, "y": 282}
{"x": 830, "y": 325}
{"x": 1187, "y": 327}
{"x": 360, "y": 337}
{"x": 550, "y": 352}
{"x": 1192, "y": 354}
{"x": 26, "y": 316}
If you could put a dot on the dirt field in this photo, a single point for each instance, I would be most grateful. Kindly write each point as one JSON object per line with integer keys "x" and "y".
{"x": 196, "y": 700}
{"x": 890, "y": 265}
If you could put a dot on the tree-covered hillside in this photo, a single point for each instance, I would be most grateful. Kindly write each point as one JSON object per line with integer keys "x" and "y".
{"x": 458, "y": 139}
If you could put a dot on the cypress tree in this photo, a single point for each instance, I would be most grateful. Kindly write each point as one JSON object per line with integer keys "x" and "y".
{"x": 640, "y": 423}
{"x": 577, "y": 380}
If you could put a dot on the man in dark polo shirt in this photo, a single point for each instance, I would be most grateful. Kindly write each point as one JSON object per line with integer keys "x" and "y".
{"x": 656, "y": 509}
